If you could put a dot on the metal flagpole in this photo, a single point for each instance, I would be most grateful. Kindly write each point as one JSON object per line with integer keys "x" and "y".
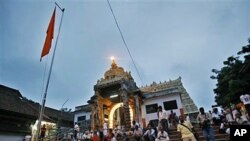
{"x": 47, "y": 84}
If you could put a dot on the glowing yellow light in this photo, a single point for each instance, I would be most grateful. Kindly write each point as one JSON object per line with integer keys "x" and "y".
{"x": 112, "y": 58}
{"x": 111, "y": 115}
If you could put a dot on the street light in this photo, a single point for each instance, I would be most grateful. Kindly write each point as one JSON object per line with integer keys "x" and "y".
{"x": 65, "y": 102}
{"x": 62, "y": 109}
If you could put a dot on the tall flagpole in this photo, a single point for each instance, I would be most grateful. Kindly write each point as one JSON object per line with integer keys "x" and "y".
{"x": 48, "y": 80}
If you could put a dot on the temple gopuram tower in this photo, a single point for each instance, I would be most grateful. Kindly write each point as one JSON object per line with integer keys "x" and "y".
{"x": 164, "y": 93}
{"x": 116, "y": 101}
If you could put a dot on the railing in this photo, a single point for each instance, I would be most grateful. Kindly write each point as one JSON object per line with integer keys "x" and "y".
{"x": 64, "y": 134}
{"x": 85, "y": 125}
{"x": 59, "y": 135}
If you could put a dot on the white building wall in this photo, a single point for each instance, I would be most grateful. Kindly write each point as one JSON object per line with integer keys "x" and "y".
{"x": 86, "y": 114}
{"x": 159, "y": 100}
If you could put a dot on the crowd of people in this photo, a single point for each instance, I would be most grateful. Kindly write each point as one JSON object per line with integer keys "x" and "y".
{"x": 233, "y": 115}
{"x": 153, "y": 132}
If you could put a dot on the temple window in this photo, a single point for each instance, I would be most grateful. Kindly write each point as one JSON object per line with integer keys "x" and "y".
{"x": 81, "y": 118}
{"x": 170, "y": 105}
{"x": 152, "y": 108}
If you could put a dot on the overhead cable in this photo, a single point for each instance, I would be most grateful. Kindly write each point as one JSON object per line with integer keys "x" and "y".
{"x": 125, "y": 44}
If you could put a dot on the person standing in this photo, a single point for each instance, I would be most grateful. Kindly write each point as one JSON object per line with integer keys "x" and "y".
{"x": 205, "y": 123}
{"x": 76, "y": 130}
{"x": 163, "y": 118}
{"x": 43, "y": 131}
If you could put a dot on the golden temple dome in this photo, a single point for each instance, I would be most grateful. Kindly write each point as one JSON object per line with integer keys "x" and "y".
{"x": 114, "y": 71}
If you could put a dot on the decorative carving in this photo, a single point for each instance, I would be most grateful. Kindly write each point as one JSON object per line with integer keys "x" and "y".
{"x": 173, "y": 86}
{"x": 96, "y": 114}
{"x": 126, "y": 110}
{"x": 115, "y": 73}
{"x": 115, "y": 76}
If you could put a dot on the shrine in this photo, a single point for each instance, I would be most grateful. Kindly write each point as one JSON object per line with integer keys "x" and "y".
{"x": 116, "y": 101}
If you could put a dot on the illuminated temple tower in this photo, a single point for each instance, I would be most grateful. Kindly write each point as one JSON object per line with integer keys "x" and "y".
{"x": 118, "y": 101}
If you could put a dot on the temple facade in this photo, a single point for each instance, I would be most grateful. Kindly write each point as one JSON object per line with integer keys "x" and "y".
{"x": 117, "y": 100}
{"x": 171, "y": 95}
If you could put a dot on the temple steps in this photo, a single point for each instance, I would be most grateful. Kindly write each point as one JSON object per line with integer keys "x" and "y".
{"x": 176, "y": 136}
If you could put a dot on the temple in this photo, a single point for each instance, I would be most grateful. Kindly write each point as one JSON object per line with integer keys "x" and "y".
{"x": 117, "y": 100}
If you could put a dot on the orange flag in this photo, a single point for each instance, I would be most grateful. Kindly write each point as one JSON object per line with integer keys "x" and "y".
{"x": 49, "y": 37}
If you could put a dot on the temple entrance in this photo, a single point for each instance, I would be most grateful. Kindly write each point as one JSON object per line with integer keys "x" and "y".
{"x": 118, "y": 119}
{"x": 116, "y": 116}
{"x": 116, "y": 100}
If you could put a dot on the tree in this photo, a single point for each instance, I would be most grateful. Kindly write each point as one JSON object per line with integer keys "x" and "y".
{"x": 233, "y": 79}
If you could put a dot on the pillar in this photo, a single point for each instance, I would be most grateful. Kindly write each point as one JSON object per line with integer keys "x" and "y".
{"x": 137, "y": 108}
{"x": 126, "y": 110}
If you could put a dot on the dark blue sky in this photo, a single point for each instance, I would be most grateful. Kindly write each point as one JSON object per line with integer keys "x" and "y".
{"x": 167, "y": 39}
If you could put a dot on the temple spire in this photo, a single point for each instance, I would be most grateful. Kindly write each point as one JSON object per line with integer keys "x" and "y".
{"x": 113, "y": 65}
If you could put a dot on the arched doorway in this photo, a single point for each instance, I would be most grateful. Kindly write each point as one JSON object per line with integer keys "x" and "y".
{"x": 112, "y": 111}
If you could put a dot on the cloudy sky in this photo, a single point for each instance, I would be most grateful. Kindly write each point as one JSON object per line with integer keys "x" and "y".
{"x": 167, "y": 39}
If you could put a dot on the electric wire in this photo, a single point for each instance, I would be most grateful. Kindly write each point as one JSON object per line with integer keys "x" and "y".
{"x": 123, "y": 39}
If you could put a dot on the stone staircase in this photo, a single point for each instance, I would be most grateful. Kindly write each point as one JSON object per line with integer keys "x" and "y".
{"x": 176, "y": 136}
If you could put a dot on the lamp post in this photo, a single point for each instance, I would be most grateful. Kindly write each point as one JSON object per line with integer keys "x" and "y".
{"x": 60, "y": 119}
{"x": 65, "y": 102}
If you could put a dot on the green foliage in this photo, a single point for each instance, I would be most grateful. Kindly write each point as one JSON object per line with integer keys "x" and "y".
{"x": 233, "y": 79}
